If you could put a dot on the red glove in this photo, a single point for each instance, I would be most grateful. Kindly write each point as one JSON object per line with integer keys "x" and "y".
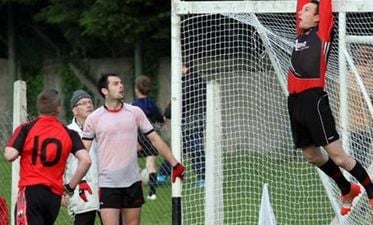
{"x": 178, "y": 171}
{"x": 83, "y": 186}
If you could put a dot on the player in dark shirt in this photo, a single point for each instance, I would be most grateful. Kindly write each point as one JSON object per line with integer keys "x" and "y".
{"x": 44, "y": 145}
{"x": 193, "y": 124}
{"x": 193, "y": 120}
{"x": 312, "y": 122}
{"x": 142, "y": 89}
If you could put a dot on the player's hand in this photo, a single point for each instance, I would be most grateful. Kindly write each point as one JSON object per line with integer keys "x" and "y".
{"x": 65, "y": 199}
{"x": 83, "y": 187}
{"x": 178, "y": 171}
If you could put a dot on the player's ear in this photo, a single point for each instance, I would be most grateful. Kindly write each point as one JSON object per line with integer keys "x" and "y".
{"x": 75, "y": 111}
{"x": 59, "y": 109}
{"x": 104, "y": 91}
{"x": 316, "y": 19}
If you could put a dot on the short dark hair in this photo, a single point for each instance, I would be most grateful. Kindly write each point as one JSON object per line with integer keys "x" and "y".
{"x": 103, "y": 82}
{"x": 48, "y": 102}
{"x": 317, "y": 3}
{"x": 143, "y": 84}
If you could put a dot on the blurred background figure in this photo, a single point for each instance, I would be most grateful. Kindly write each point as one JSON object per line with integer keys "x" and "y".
{"x": 193, "y": 124}
{"x": 143, "y": 86}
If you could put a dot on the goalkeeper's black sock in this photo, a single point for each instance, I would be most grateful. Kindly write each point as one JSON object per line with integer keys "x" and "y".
{"x": 332, "y": 170}
{"x": 152, "y": 183}
{"x": 362, "y": 176}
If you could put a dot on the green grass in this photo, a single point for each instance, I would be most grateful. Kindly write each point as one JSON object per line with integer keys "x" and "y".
{"x": 158, "y": 212}
{"x": 296, "y": 199}
{"x": 5, "y": 180}
{"x": 297, "y": 195}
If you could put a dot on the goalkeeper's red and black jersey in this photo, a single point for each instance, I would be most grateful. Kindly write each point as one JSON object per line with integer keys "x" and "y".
{"x": 44, "y": 145}
{"x": 310, "y": 53}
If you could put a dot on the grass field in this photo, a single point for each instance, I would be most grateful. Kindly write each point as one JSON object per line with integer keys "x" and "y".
{"x": 153, "y": 212}
{"x": 296, "y": 194}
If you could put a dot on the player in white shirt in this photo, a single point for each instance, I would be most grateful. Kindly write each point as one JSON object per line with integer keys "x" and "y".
{"x": 115, "y": 127}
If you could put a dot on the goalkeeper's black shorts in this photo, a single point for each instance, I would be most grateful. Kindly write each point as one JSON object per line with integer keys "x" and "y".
{"x": 312, "y": 121}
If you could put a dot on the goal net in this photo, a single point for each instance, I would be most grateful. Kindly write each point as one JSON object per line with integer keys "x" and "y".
{"x": 233, "y": 111}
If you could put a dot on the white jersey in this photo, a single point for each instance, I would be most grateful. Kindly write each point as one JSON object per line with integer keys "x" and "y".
{"x": 76, "y": 205}
{"x": 116, "y": 135}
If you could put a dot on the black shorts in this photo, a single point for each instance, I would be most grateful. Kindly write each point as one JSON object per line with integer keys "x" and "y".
{"x": 86, "y": 218}
{"x": 118, "y": 198}
{"x": 147, "y": 148}
{"x": 312, "y": 121}
{"x": 38, "y": 205}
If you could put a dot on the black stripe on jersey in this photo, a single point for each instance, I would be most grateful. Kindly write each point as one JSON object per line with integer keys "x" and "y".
{"x": 148, "y": 132}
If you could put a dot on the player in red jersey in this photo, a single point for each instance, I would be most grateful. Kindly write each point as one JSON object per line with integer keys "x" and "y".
{"x": 312, "y": 122}
{"x": 44, "y": 145}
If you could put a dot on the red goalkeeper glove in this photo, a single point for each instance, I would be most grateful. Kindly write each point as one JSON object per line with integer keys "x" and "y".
{"x": 83, "y": 187}
{"x": 178, "y": 171}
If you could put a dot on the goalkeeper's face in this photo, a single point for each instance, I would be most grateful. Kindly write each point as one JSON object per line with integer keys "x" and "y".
{"x": 308, "y": 16}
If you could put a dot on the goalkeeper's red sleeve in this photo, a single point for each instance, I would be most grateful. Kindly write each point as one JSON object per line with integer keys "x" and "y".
{"x": 177, "y": 171}
{"x": 83, "y": 187}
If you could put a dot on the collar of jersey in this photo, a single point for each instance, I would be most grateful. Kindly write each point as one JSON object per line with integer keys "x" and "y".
{"x": 114, "y": 110}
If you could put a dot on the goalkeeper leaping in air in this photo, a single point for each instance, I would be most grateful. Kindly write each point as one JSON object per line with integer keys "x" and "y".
{"x": 312, "y": 122}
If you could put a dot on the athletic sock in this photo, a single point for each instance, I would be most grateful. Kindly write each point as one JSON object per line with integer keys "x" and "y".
{"x": 332, "y": 170}
{"x": 152, "y": 183}
{"x": 362, "y": 176}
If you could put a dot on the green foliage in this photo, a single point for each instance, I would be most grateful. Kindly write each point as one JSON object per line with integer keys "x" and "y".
{"x": 128, "y": 20}
{"x": 70, "y": 30}
{"x": 70, "y": 84}
{"x": 19, "y": 1}
{"x": 109, "y": 26}
{"x": 34, "y": 87}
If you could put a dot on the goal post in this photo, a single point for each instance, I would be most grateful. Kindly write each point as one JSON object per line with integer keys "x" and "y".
{"x": 241, "y": 49}
{"x": 19, "y": 117}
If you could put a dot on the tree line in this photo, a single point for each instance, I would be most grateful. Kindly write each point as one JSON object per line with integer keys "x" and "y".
{"x": 35, "y": 31}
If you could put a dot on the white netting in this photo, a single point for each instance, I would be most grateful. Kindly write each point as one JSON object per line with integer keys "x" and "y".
{"x": 248, "y": 56}
{"x": 5, "y": 168}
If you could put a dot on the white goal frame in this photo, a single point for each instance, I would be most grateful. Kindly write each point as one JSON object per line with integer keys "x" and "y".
{"x": 220, "y": 7}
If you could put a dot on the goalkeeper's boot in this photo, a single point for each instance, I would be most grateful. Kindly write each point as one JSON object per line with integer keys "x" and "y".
{"x": 348, "y": 199}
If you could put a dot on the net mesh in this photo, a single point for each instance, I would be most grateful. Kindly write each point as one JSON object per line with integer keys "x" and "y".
{"x": 5, "y": 167}
{"x": 248, "y": 56}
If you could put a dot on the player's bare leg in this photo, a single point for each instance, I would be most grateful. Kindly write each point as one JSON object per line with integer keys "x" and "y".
{"x": 315, "y": 155}
{"x": 339, "y": 156}
{"x": 110, "y": 216}
{"x": 131, "y": 216}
